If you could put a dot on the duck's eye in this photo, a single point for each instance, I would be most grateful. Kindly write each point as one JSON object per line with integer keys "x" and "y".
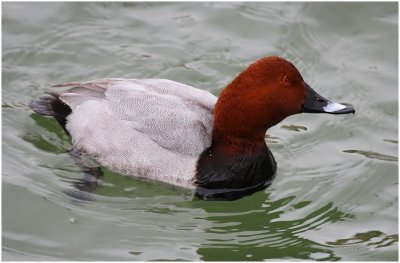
{"x": 285, "y": 80}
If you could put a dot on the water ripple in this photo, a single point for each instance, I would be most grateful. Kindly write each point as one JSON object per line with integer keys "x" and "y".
{"x": 374, "y": 155}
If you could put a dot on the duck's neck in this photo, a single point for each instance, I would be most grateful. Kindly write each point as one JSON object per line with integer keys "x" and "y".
{"x": 233, "y": 167}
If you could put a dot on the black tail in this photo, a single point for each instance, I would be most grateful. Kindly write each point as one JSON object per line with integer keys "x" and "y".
{"x": 50, "y": 105}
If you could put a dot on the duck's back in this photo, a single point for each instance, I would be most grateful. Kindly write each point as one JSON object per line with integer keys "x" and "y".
{"x": 151, "y": 128}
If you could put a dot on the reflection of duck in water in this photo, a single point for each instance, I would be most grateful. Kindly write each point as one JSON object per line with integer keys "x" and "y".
{"x": 164, "y": 130}
{"x": 258, "y": 228}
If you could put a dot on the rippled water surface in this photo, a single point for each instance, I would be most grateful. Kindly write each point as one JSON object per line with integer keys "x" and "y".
{"x": 335, "y": 196}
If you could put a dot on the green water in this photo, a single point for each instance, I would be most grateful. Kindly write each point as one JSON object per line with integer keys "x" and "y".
{"x": 335, "y": 196}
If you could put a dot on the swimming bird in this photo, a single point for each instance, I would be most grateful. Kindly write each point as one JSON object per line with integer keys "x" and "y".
{"x": 164, "y": 130}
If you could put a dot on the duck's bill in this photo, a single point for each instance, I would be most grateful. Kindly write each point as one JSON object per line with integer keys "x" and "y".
{"x": 315, "y": 103}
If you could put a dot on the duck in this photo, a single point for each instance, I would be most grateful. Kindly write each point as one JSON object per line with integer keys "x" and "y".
{"x": 166, "y": 131}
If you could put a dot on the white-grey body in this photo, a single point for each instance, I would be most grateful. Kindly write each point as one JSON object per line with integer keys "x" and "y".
{"x": 150, "y": 128}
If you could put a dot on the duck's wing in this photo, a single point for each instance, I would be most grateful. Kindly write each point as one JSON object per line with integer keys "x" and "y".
{"x": 177, "y": 117}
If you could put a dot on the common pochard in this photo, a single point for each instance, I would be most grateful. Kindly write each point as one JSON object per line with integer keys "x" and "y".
{"x": 164, "y": 130}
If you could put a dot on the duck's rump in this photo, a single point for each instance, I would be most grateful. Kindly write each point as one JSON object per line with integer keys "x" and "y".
{"x": 148, "y": 128}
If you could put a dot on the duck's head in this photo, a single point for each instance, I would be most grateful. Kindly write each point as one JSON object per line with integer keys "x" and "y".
{"x": 261, "y": 96}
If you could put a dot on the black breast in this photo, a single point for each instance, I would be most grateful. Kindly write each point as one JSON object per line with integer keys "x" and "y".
{"x": 226, "y": 175}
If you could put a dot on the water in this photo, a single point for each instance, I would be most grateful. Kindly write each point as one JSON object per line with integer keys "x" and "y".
{"x": 335, "y": 196}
